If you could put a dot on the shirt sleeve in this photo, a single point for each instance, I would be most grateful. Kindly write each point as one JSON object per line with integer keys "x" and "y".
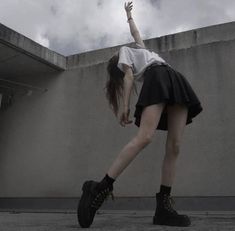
{"x": 139, "y": 46}
{"x": 124, "y": 58}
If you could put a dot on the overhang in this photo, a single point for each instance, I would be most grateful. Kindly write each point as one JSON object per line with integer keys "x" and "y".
{"x": 21, "y": 56}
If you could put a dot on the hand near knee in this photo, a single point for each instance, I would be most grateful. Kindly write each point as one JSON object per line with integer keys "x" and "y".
{"x": 124, "y": 118}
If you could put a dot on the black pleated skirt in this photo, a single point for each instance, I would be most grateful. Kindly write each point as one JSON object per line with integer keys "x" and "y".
{"x": 164, "y": 84}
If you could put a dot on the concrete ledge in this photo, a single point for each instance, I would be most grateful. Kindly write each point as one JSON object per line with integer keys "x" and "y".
{"x": 182, "y": 40}
{"x": 181, "y": 203}
{"x": 195, "y": 37}
{"x": 27, "y": 46}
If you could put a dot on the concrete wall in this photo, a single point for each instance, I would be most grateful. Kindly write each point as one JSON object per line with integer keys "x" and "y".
{"x": 51, "y": 142}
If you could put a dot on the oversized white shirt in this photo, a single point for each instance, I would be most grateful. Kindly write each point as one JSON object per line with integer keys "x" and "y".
{"x": 138, "y": 59}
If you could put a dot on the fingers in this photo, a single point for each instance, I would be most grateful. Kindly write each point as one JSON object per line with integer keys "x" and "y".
{"x": 128, "y": 122}
{"x": 128, "y": 6}
{"x": 124, "y": 123}
{"x": 124, "y": 120}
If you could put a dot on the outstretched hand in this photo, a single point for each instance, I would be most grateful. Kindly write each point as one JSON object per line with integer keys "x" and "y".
{"x": 128, "y": 7}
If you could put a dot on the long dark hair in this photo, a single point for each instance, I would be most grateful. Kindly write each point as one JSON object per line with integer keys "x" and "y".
{"x": 114, "y": 85}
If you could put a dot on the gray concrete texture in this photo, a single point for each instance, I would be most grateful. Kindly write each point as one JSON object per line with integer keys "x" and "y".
{"x": 113, "y": 220}
{"x": 52, "y": 141}
{"x": 26, "y": 46}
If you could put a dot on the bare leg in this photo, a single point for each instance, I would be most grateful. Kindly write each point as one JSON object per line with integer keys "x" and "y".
{"x": 165, "y": 214}
{"x": 149, "y": 121}
{"x": 177, "y": 116}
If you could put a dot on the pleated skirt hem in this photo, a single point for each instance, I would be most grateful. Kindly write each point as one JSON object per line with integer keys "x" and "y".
{"x": 162, "y": 84}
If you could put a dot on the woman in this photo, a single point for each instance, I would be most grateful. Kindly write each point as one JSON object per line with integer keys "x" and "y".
{"x": 166, "y": 102}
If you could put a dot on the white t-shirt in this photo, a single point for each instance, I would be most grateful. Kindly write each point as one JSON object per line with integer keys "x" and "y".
{"x": 138, "y": 59}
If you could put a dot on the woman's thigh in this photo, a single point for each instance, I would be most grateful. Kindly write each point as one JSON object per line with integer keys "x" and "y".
{"x": 149, "y": 119}
{"x": 176, "y": 117}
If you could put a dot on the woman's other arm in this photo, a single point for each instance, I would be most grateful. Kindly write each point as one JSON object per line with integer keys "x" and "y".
{"x": 127, "y": 88}
{"x": 133, "y": 29}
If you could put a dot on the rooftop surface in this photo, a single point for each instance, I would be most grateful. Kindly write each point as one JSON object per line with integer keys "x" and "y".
{"x": 113, "y": 220}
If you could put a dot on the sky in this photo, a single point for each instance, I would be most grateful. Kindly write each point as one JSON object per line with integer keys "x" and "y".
{"x": 76, "y": 26}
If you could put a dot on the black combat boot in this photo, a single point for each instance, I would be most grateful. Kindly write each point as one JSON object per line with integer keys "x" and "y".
{"x": 166, "y": 215}
{"x": 92, "y": 198}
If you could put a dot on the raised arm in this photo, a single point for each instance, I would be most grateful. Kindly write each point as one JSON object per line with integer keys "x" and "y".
{"x": 133, "y": 29}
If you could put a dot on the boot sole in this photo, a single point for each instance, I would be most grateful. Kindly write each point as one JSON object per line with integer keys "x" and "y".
{"x": 168, "y": 222}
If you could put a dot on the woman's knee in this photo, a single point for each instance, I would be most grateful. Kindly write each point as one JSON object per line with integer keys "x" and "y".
{"x": 144, "y": 139}
{"x": 173, "y": 147}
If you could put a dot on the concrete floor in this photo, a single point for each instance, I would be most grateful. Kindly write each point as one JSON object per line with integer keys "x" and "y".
{"x": 111, "y": 220}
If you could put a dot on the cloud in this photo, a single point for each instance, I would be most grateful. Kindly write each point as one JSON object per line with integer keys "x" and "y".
{"x": 74, "y": 26}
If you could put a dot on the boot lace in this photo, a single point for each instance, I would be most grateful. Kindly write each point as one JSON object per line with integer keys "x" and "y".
{"x": 168, "y": 203}
{"x": 100, "y": 197}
